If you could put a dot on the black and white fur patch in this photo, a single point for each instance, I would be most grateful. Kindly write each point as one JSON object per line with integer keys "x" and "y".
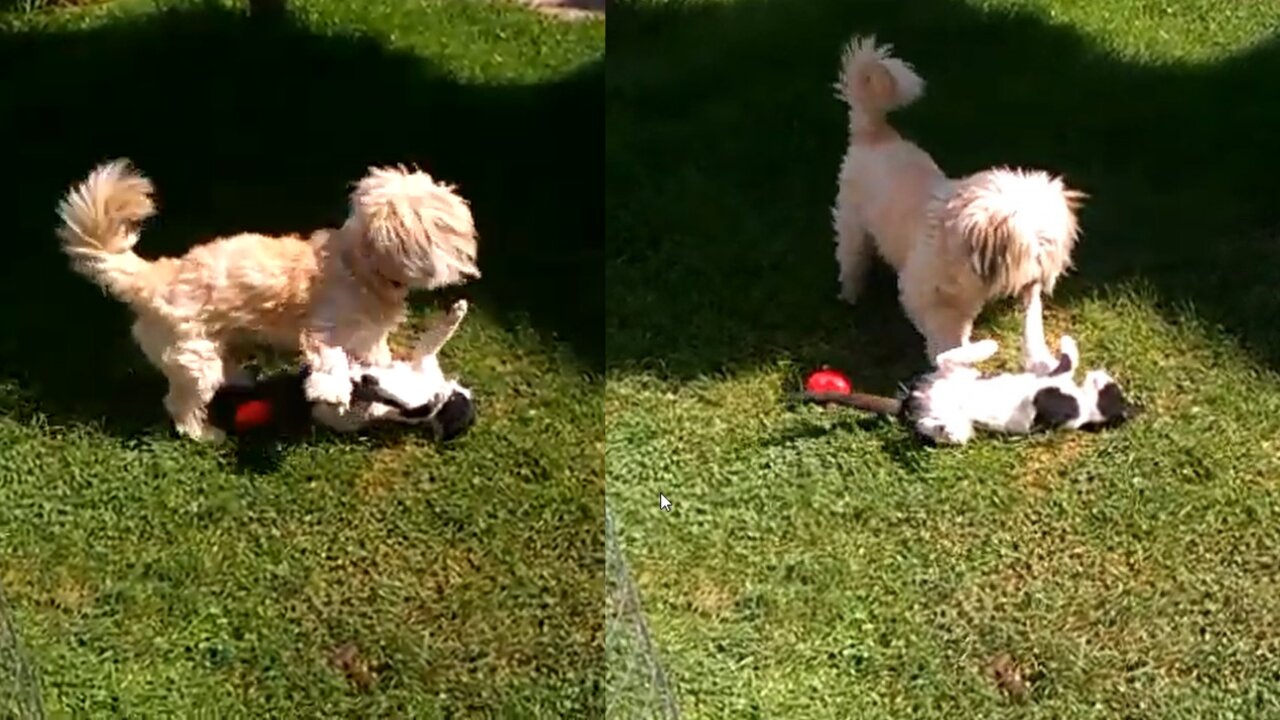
{"x": 949, "y": 404}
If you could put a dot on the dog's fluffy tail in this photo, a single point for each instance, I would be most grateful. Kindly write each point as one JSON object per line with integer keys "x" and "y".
{"x": 100, "y": 219}
{"x": 1017, "y": 226}
{"x": 873, "y": 82}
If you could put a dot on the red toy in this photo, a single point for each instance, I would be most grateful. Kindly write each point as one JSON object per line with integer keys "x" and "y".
{"x": 252, "y": 414}
{"x": 827, "y": 381}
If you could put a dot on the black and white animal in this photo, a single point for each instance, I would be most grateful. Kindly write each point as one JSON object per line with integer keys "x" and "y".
{"x": 948, "y": 404}
{"x": 405, "y": 392}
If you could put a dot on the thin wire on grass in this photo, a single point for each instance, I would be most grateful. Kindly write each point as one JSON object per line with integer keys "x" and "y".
{"x": 19, "y": 686}
{"x": 635, "y": 613}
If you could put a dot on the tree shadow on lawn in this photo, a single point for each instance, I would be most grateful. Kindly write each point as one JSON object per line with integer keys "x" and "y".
{"x": 722, "y": 159}
{"x": 250, "y": 125}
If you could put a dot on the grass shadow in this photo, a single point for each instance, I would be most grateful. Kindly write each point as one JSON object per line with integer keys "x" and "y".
{"x": 247, "y": 124}
{"x": 722, "y": 159}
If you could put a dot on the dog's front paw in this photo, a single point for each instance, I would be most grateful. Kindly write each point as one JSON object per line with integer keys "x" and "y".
{"x": 329, "y": 389}
{"x": 458, "y": 310}
{"x": 199, "y": 430}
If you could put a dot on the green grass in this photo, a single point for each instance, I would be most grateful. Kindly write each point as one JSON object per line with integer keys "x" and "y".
{"x": 819, "y": 564}
{"x": 151, "y": 577}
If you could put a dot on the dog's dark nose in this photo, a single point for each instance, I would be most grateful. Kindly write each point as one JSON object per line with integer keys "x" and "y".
{"x": 455, "y": 417}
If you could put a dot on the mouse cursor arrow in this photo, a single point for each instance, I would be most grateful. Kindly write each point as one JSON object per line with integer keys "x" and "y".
{"x": 663, "y": 502}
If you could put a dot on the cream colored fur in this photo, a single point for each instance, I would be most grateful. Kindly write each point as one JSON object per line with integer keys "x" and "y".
{"x": 335, "y": 296}
{"x": 956, "y": 244}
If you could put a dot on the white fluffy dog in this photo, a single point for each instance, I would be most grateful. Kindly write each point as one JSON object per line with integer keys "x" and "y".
{"x": 955, "y": 243}
{"x": 335, "y": 296}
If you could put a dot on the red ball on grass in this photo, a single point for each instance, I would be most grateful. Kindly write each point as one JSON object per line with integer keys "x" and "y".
{"x": 253, "y": 414}
{"x": 827, "y": 380}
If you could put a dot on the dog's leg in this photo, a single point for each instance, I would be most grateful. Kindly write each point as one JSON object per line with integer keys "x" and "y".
{"x": 1036, "y": 357}
{"x": 854, "y": 252}
{"x": 1067, "y": 348}
{"x": 195, "y": 370}
{"x": 441, "y": 332}
{"x": 154, "y": 339}
{"x": 966, "y": 355}
{"x": 944, "y": 322}
{"x": 330, "y": 378}
{"x": 183, "y": 401}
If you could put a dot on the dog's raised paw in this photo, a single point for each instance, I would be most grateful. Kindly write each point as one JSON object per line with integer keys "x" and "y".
{"x": 458, "y": 309}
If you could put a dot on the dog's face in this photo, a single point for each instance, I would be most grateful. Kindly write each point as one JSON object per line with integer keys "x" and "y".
{"x": 1111, "y": 408}
{"x": 412, "y": 232}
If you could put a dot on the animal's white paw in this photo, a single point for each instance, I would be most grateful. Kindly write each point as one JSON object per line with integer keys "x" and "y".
{"x": 331, "y": 389}
{"x": 1067, "y": 346}
{"x": 199, "y": 430}
{"x": 458, "y": 310}
{"x": 986, "y": 347}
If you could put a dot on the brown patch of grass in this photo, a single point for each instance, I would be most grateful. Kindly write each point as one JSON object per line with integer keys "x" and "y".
{"x": 16, "y": 575}
{"x": 383, "y": 473}
{"x": 355, "y": 666}
{"x": 1008, "y": 676}
{"x": 698, "y": 591}
{"x": 1043, "y": 465}
{"x": 711, "y": 598}
{"x": 70, "y": 594}
{"x": 1139, "y": 619}
{"x": 58, "y": 588}
{"x": 450, "y": 633}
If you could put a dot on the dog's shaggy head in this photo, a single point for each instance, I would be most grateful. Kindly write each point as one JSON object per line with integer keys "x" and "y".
{"x": 411, "y": 231}
{"x": 1019, "y": 225}
{"x": 871, "y": 78}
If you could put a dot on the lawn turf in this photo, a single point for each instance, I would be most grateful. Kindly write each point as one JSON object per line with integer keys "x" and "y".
{"x": 148, "y": 576}
{"x": 822, "y": 564}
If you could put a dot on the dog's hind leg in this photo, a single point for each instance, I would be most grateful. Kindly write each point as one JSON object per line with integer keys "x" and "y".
{"x": 854, "y": 250}
{"x": 154, "y": 339}
{"x": 195, "y": 369}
